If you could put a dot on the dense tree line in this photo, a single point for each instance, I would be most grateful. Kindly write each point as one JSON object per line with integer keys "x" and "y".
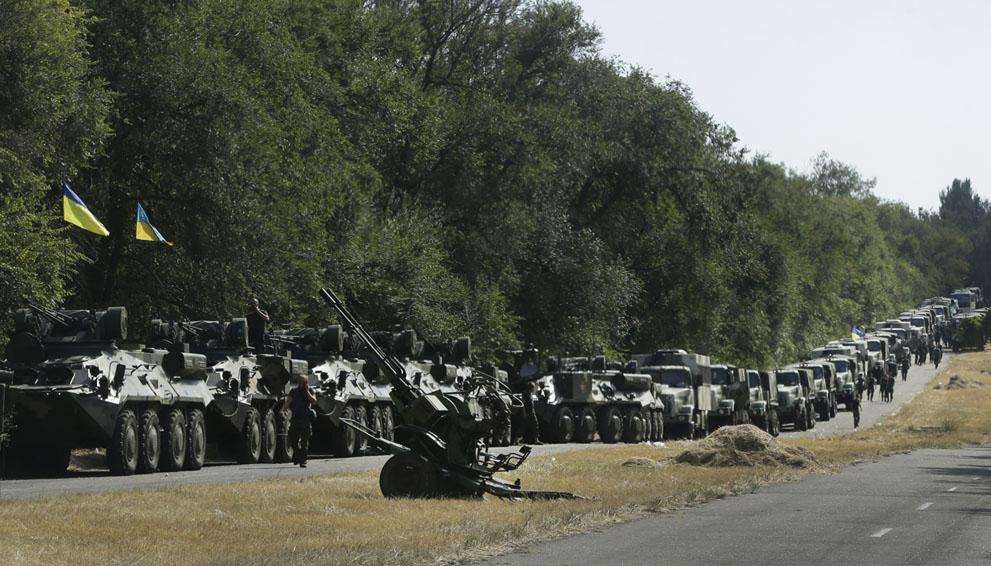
{"x": 474, "y": 166}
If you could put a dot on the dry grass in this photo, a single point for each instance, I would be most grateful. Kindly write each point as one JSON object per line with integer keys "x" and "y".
{"x": 343, "y": 519}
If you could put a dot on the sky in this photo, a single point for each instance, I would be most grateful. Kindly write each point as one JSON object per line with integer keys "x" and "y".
{"x": 901, "y": 90}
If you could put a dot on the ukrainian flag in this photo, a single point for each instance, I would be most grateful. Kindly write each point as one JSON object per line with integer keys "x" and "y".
{"x": 143, "y": 230}
{"x": 74, "y": 211}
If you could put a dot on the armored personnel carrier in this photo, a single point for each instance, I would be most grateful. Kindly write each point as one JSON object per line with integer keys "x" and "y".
{"x": 73, "y": 386}
{"x": 579, "y": 398}
{"x": 684, "y": 381}
{"x": 246, "y": 417}
{"x": 338, "y": 376}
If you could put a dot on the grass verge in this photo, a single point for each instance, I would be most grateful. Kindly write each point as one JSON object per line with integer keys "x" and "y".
{"x": 343, "y": 519}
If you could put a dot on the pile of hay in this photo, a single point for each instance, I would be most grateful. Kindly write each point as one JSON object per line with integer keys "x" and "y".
{"x": 957, "y": 382}
{"x": 745, "y": 445}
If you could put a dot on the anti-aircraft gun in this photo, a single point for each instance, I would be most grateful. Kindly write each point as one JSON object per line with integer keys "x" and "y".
{"x": 74, "y": 387}
{"x": 247, "y": 387}
{"x": 438, "y": 450}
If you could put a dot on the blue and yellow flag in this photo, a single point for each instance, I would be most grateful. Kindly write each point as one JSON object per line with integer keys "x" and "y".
{"x": 74, "y": 211}
{"x": 143, "y": 230}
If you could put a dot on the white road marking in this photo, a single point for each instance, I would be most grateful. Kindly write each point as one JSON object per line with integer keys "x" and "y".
{"x": 881, "y": 533}
{"x": 924, "y": 506}
{"x": 954, "y": 488}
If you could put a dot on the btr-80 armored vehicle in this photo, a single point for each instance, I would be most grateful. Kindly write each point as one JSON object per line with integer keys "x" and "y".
{"x": 685, "y": 382}
{"x": 74, "y": 387}
{"x": 582, "y": 397}
{"x": 338, "y": 376}
{"x": 246, "y": 418}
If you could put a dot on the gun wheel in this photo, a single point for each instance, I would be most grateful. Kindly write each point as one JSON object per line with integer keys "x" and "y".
{"x": 408, "y": 475}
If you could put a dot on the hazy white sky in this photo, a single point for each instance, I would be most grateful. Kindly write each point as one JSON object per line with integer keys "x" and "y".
{"x": 899, "y": 89}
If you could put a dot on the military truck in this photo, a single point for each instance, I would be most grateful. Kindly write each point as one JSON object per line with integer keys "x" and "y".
{"x": 966, "y": 299}
{"x": 824, "y": 379}
{"x": 795, "y": 397}
{"x": 685, "y": 381}
{"x": 73, "y": 386}
{"x": 246, "y": 418}
{"x": 846, "y": 384}
{"x": 580, "y": 397}
{"x": 731, "y": 396}
{"x": 764, "y": 408}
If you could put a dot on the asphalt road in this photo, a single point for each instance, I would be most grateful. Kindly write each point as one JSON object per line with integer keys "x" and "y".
{"x": 100, "y": 480}
{"x": 927, "y": 507}
{"x": 872, "y": 411}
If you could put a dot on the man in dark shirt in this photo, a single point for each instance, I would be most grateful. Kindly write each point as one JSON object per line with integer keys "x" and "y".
{"x": 257, "y": 318}
{"x": 300, "y": 402}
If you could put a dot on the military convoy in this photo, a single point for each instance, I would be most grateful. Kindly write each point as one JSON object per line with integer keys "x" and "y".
{"x": 195, "y": 389}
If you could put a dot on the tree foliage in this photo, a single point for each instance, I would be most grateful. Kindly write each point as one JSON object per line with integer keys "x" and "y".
{"x": 462, "y": 167}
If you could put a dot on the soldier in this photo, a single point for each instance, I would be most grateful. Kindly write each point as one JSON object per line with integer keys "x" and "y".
{"x": 937, "y": 355}
{"x": 855, "y": 409}
{"x": 861, "y": 386}
{"x": 905, "y": 365}
{"x": 300, "y": 403}
{"x": 521, "y": 381}
{"x": 872, "y": 380}
{"x": 257, "y": 319}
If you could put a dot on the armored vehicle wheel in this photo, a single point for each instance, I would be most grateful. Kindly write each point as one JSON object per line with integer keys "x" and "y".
{"x": 563, "y": 427}
{"x": 269, "y": 436}
{"x": 388, "y": 422}
{"x": 408, "y": 475}
{"x": 173, "y": 440}
{"x": 122, "y": 454}
{"x": 361, "y": 441}
{"x": 113, "y": 324}
{"x": 251, "y": 438}
{"x": 195, "y": 439}
{"x": 283, "y": 451}
{"x": 344, "y": 438}
{"x": 32, "y": 461}
{"x": 149, "y": 442}
{"x": 633, "y": 426}
{"x": 54, "y": 460}
{"x": 610, "y": 425}
{"x": 375, "y": 419}
{"x": 586, "y": 425}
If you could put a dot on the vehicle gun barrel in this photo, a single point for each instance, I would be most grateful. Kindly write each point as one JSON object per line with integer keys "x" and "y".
{"x": 389, "y": 363}
{"x": 51, "y": 315}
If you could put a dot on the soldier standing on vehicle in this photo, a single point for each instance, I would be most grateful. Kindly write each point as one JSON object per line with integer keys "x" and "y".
{"x": 300, "y": 403}
{"x": 257, "y": 319}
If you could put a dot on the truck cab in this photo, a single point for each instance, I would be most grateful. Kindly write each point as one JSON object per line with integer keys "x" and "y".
{"x": 685, "y": 383}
